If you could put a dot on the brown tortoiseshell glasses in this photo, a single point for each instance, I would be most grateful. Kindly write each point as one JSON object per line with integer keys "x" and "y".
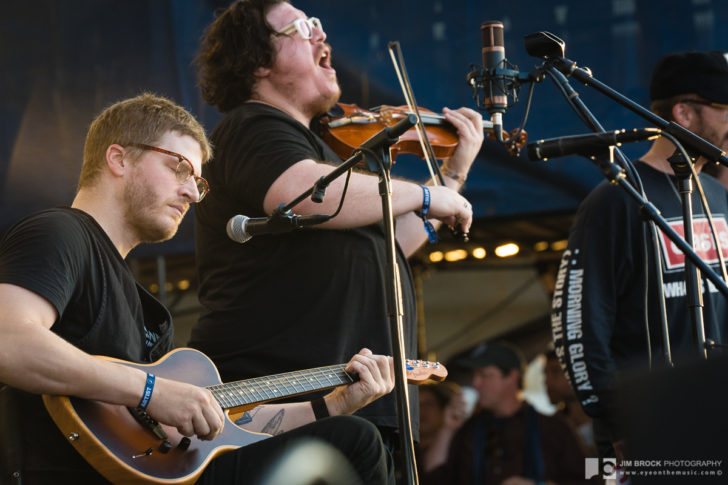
{"x": 184, "y": 169}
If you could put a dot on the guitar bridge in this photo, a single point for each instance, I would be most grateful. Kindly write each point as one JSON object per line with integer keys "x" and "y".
{"x": 147, "y": 422}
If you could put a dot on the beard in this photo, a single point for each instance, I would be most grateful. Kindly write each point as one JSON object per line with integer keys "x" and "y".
{"x": 708, "y": 132}
{"x": 323, "y": 104}
{"x": 143, "y": 213}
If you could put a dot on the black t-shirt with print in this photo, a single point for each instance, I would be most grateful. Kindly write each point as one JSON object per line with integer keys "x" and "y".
{"x": 598, "y": 307}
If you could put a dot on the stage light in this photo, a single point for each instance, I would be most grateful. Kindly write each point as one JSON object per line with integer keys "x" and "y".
{"x": 541, "y": 246}
{"x": 506, "y": 250}
{"x": 456, "y": 255}
{"x": 559, "y": 245}
{"x": 478, "y": 253}
{"x": 183, "y": 284}
{"x": 436, "y": 256}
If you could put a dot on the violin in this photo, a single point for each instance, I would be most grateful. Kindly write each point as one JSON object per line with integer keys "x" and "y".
{"x": 346, "y": 126}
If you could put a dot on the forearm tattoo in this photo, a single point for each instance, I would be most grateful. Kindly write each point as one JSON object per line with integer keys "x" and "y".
{"x": 273, "y": 426}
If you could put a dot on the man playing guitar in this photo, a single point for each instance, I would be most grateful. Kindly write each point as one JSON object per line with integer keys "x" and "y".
{"x": 66, "y": 295}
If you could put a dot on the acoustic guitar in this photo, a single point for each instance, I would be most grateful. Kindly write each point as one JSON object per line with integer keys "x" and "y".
{"x": 127, "y": 446}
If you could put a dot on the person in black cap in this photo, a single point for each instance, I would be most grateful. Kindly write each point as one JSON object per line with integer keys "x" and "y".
{"x": 598, "y": 309}
{"x": 507, "y": 441}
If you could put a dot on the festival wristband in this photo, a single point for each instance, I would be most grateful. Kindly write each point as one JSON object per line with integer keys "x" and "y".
{"x": 429, "y": 228}
{"x": 148, "y": 388}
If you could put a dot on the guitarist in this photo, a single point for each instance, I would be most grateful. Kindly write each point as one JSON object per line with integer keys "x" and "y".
{"x": 66, "y": 293}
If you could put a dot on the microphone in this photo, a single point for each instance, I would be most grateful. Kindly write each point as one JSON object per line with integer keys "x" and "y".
{"x": 587, "y": 145}
{"x": 241, "y": 228}
{"x": 495, "y": 98}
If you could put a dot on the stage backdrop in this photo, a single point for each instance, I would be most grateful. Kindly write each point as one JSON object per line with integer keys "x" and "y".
{"x": 63, "y": 62}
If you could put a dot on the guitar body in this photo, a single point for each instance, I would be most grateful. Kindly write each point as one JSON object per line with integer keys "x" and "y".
{"x": 117, "y": 446}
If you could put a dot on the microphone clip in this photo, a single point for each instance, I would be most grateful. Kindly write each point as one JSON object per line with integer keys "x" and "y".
{"x": 485, "y": 83}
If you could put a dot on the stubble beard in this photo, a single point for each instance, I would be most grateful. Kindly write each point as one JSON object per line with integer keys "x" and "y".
{"x": 710, "y": 134}
{"x": 142, "y": 214}
{"x": 324, "y": 104}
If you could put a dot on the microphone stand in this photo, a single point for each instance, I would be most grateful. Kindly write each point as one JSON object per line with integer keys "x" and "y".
{"x": 554, "y": 67}
{"x": 394, "y": 306}
{"x": 591, "y": 121}
{"x": 693, "y": 142}
{"x": 376, "y": 152}
{"x": 692, "y": 274}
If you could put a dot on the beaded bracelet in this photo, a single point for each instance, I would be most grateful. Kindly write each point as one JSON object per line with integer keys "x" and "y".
{"x": 148, "y": 388}
{"x": 429, "y": 228}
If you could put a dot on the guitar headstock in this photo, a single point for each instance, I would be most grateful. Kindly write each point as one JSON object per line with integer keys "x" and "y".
{"x": 424, "y": 371}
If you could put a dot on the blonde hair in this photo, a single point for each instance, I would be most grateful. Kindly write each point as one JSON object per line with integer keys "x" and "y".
{"x": 142, "y": 119}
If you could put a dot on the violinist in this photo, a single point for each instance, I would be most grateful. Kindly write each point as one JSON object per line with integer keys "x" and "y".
{"x": 306, "y": 298}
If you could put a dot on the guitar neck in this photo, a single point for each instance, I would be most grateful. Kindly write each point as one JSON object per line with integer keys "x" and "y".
{"x": 250, "y": 392}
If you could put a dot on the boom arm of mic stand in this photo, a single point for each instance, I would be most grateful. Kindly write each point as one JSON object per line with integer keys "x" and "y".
{"x": 687, "y": 138}
{"x": 386, "y": 136}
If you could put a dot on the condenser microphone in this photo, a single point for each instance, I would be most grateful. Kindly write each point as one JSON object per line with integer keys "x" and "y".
{"x": 241, "y": 228}
{"x": 587, "y": 145}
{"x": 495, "y": 87}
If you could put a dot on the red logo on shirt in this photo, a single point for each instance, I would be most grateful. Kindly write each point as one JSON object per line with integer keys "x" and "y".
{"x": 702, "y": 241}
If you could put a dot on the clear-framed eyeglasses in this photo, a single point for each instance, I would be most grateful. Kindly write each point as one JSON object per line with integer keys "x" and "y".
{"x": 183, "y": 171}
{"x": 304, "y": 27}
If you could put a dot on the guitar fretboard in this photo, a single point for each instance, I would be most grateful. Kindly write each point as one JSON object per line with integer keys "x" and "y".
{"x": 261, "y": 389}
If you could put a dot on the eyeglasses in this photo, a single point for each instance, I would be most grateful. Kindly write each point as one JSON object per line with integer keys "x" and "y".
{"x": 304, "y": 27}
{"x": 723, "y": 107}
{"x": 183, "y": 171}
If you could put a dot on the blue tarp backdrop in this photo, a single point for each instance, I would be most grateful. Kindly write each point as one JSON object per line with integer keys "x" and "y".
{"x": 63, "y": 62}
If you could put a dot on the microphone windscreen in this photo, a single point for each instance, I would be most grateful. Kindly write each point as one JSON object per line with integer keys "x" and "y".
{"x": 236, "y": 229}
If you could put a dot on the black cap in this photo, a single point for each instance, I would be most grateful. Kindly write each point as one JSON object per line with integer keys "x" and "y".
{"x": 702, "y": 73}
{"x": 499, "y": 354}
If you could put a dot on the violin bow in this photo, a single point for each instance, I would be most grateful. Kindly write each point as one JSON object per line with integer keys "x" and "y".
{"x": 395, "y": 52}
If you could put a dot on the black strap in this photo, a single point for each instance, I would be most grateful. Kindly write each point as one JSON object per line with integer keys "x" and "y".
{"x": 320, "y": 411}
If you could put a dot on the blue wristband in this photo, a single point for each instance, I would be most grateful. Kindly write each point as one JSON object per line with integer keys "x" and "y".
{"x": 429, "y": 228}
{"x": 148, "y": 388}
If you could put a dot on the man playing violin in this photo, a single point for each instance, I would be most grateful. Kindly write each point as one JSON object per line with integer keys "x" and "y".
{"x": 302, "y": 298}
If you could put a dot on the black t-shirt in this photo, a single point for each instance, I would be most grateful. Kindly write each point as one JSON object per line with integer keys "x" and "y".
{"x": 287, "y": 301}
{"x": 598, "y": 306}
{"x": 64, "y": 256}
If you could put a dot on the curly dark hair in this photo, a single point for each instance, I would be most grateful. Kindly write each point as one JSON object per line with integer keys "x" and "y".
{"x": 233, "y": 47}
